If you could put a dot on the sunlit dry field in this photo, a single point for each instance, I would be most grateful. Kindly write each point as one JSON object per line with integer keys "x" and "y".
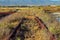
{"x": 48, "y": 14}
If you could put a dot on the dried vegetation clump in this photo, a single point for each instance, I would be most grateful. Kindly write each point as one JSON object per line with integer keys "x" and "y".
{"x": 9, "y": 22}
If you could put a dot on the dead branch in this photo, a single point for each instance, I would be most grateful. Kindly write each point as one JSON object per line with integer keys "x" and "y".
{"x": 3, "y": 14}
{"x": 10, "y": 12}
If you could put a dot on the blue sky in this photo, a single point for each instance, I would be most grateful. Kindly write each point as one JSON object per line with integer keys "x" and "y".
{"x": 29, "y": 2}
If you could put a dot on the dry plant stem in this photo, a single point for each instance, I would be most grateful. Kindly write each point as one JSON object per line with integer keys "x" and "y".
{"x": 43, "y": 26}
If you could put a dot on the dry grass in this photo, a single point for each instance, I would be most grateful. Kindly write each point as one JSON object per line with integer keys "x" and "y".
{"x": 48, "y": 19}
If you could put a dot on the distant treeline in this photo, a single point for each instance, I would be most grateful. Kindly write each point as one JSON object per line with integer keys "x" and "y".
{"x": 20, "y": 6}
